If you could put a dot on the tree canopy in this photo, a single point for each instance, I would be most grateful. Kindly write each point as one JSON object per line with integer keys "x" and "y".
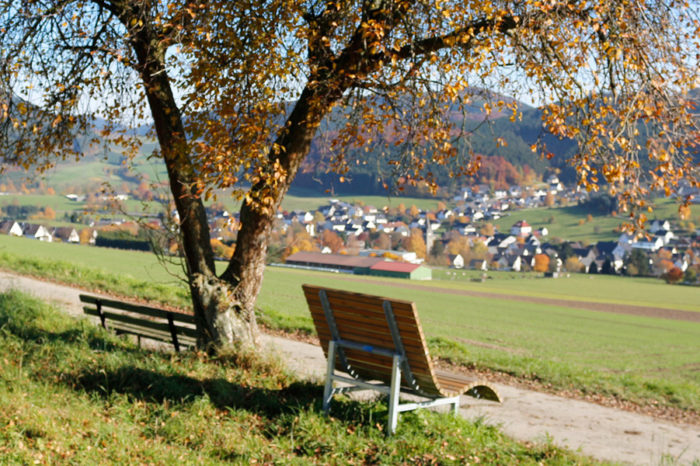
{"x": 236, "y": 91}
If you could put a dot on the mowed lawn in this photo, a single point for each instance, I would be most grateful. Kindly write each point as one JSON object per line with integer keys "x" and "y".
{"x": 635, "y": 358}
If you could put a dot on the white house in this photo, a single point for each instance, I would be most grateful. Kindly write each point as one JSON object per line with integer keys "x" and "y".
{"x": 10, "y": 227}
{"x": 66, "y": 234}
{"x": 521, "y": 228}
{"x": 39, "y": 232}
{"x": 657, "y": 225}
{"x": 456, "y": 261}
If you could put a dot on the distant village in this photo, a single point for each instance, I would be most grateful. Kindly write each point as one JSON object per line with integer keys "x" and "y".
{"x": 411, "y": 242}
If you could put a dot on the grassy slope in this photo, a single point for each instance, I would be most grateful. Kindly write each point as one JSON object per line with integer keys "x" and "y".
{"x": 634, "y": 358}
{"x": 566, "y": 221}
{"x": 71, "y": 393}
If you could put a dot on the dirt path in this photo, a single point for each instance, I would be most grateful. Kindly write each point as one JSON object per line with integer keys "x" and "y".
{"x": 646, "y": 311}
{"x": 598, "y": 431}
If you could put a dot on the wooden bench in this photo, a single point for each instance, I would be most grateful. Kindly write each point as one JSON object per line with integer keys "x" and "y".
{"x": 380, "y": 344}
{"x": 143, "y": 321}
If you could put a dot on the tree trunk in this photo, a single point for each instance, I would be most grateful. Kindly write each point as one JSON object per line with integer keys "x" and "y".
{"x": 224, "y": 306}
{"x": 248, "y": 262}
{"x": 219, "y": 316}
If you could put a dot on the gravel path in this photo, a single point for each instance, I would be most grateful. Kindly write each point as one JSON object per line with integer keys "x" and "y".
{"x": 602, "y": 432}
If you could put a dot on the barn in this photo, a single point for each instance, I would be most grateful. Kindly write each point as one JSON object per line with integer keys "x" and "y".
{"x": 401, "y": 270}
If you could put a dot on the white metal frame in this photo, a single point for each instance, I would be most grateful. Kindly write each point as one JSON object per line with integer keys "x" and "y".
{"x": 399, "y": 360}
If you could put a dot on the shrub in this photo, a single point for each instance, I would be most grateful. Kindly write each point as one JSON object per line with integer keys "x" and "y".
{"x": 674, "y": 275}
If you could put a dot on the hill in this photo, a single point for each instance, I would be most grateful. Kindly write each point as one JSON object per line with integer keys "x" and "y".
{"x": 506, "y": 162}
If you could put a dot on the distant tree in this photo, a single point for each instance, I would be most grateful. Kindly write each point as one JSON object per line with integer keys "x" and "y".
{"x": 85, "y": 235}
{"x": 638, "y": 261}
{"x": 690, "y": 275}
{"x": 300, "y": 241}
{"x": 541, "y": 263}
{"x": 221, "y": 250}
{"x": 459, "y": 245}
{"x": 438, "y": 253}
{"x": 479, "y": 251}
{"x": 414, "y": 211}
{"x": 549, "y": 200}
{"x": 573, "y": 264}
{"x": 674, "y": 275}
{"x": 487, "y": 229}
{"x": 565, "y": 250}
{"x": 331, "y": 239}
{"x": 416, "y": 243}
{"x": 663, "y": 266}
{"x": 382, "y": 241}
{"x": 607, "y": 267}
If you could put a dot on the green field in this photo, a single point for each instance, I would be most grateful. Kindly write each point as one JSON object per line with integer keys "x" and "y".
{"x": 641, "y": 359}
{"x": 565, "y": 224}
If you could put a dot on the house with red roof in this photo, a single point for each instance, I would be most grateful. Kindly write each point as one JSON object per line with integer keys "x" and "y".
{"x": 521, "y": 228}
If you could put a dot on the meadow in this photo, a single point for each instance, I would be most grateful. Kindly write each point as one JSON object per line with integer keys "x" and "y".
{"x": 72, "y": 393}
{"x": 570, "y": 223}
{"x": 643, "y": 360}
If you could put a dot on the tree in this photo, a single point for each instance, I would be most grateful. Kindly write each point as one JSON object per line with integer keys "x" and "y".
{"x": 487, "y": 229}
{"x": 573, "y": 264}
{"x": 332, "y": 240}
{"x": 541, "y": 263}
{"x": 549, "y": 200}
{"x": 236, "y": 92}
{"x": 382, "y": 241}
{"x": 416, "y": 243}
{"x": 638, "y": 263}
{"x": 674, "y": 275}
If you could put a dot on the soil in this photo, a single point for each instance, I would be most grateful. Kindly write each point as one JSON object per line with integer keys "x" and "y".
{"x": 606, "y": 429}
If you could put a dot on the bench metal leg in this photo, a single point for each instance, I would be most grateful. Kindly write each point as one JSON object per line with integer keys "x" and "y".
{"x": 328, "y": 389}
{"x": 394, "y": 394}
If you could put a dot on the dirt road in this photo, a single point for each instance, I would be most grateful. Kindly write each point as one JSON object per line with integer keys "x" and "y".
{"x": 602, "y": 432}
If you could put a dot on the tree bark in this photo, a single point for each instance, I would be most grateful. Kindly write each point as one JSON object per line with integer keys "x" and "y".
{"x": 219, "y": 318}
{"x": 248, "y": 262}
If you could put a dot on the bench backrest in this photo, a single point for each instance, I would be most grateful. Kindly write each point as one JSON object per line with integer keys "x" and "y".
{"x": 363, "y": 319}
{"x": 144, "y": 321}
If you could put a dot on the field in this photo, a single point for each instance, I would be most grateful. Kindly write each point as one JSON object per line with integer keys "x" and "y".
{"x": 565, "y": 224}
{"x": 644, "y": 360}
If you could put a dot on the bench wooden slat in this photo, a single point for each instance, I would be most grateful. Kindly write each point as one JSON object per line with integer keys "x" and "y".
{"x": 139, "y": 309}
{"x": 163, "y": 327}
{"x": 370, "y": 307}
{"x": 411, "y": 351}
{"x": 143, "y": 321}
{"x": 121, "y": 327}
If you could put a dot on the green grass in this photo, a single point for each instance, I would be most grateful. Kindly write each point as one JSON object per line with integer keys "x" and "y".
{"x": 72, "y": 393}
{"x": 566, "y": 226}
{"x": 639, "y": 291}
{"x": 639, "y": 359}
